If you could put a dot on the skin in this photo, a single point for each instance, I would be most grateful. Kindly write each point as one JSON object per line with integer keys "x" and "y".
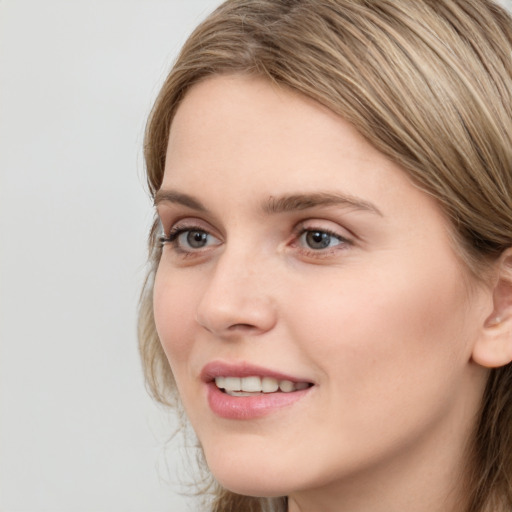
{"x": 383, "y": 321}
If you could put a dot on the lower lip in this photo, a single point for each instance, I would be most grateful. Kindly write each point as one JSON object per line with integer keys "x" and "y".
{"x": 250, "y": 407}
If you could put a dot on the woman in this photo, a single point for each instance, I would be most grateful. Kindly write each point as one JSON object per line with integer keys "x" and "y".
{"x": 331, "y": 284}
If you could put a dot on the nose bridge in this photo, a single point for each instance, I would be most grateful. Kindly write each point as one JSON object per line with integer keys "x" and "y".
{"x": 238, "y": 296}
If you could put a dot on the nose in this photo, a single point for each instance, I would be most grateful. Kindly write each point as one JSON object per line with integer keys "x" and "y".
{"x": 238, "y": 298}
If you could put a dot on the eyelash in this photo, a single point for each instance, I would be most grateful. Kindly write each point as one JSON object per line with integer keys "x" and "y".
{"x": 302, "y": 230}
{"x": 177, "y": 231}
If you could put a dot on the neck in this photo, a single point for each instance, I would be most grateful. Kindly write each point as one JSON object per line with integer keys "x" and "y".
{"x": 393, "y": 491}
{"x": 431, "y": 477}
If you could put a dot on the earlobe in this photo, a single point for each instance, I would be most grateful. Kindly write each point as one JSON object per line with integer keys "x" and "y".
{"x": 494, "y": 346}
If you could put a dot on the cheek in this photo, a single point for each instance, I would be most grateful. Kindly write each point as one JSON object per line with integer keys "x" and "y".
{"x": 387, "y": 334}
{"x": 173, "y": 305}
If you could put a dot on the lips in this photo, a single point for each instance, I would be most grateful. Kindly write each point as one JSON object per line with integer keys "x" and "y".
{"x": 244, "y": 391}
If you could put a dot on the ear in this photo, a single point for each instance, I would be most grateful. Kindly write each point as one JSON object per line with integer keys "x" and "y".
{"x": 494, "y": 347}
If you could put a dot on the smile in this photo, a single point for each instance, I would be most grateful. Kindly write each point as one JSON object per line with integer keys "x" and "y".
{"x": 254, "y": 385}
{"x": 243, "y": 391}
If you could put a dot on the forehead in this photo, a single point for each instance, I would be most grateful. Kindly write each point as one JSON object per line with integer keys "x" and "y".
{"x": 251, "y": 124}
{"x": 240, "y": 136}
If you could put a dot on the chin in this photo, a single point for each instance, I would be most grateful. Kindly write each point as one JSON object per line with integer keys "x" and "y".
{"x": 250, "y": 478}
{"x": 252, "y": 485}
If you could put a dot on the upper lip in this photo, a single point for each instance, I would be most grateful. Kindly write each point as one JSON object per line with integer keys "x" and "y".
{"x": 242, "y": 369}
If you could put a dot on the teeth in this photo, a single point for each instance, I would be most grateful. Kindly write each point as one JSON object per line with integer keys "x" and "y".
{"x": 269, "y": 385}
{"x": 251, "y": 384}
{"x": 286, "y": 386}
{"x": 232, "y": 383}
{"x": 247, "y": 386}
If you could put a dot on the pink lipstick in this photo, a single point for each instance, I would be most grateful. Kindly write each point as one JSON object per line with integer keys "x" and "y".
{"x": 244, "y": 391}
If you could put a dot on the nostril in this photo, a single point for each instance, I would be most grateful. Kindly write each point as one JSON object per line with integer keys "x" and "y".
{"x": 242, "y": 327}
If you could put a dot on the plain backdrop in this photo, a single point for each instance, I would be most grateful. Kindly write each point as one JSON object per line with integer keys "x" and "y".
{"x": 78, "y": 432}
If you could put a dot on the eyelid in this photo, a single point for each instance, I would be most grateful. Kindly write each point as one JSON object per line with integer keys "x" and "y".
{"x": 172, "y": 236}
{"x": 311, "y": 225}
{"x": 170, "y": 225}
{"x": 326, "y": 226}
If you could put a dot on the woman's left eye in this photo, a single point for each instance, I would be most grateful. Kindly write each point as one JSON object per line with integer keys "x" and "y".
{"x": 319, "y": 239}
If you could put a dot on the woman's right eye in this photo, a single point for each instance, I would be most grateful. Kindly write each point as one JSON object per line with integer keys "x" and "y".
{"x": 189, "y": 239}
{"x": 193, "y": 238}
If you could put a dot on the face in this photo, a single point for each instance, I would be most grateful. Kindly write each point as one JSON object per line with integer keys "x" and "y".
{"x": 316, "y": 318}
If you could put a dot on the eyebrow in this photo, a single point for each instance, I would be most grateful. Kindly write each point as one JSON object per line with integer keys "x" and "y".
{"x": 280, "y": 204}
{"x": 171, "y": 196}
{"x": 304, "y": 201}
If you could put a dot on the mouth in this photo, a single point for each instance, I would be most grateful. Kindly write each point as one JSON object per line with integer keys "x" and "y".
{"x": 254, "y": 385}
{"x": 242, "y": 391}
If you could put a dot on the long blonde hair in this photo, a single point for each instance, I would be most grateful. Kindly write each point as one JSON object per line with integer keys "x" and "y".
{"x": 428, "y": 83}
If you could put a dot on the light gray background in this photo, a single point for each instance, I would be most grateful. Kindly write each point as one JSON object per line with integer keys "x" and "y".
{"x": 77, "y": 79}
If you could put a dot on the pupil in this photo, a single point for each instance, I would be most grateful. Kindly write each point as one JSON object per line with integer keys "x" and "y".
{"x": 318, "y": 239}
{"x": 196, "y": 239}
